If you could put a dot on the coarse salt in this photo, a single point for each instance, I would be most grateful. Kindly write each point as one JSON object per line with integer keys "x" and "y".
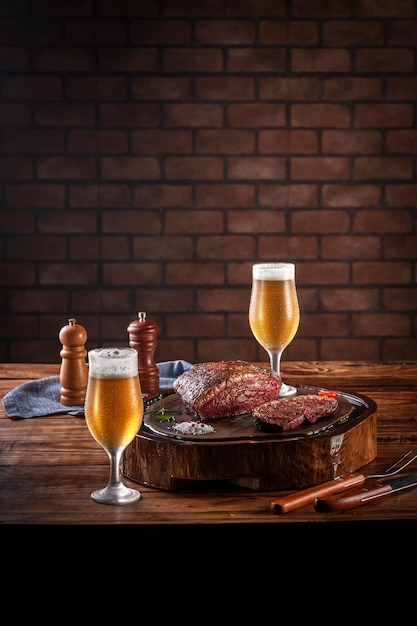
{"x": 193, "y": 428}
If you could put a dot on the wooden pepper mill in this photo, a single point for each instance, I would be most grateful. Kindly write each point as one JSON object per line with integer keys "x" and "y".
{"x": 143, "y": 338}
{"x": 73, "y": 374}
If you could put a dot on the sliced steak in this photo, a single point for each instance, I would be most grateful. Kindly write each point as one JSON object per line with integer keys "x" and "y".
{"x": 285, "y": 414}
{"x": 225, "y": 388}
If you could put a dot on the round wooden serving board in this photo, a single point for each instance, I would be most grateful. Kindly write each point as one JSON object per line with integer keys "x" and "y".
{"x": 239, "y": 453}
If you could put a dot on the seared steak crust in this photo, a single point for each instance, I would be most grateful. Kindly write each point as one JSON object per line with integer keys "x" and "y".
{"x": 285, "y": 414}
{"x": 225, "y": 388}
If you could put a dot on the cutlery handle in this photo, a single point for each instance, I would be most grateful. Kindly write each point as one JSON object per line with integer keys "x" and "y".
{"x": 307, "y": 496}
{"x": 353, "y": 497}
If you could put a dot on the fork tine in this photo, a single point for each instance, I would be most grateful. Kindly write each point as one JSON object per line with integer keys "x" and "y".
{"x": 404, "y": 456}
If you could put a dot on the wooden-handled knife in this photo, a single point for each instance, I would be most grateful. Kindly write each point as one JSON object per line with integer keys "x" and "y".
{"x": 363, "y": 495}
{"x": 307, "y": 496}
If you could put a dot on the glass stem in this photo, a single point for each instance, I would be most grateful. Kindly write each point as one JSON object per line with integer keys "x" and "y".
{"x": 275, "y": 360}
{"x": 115, "y": 458}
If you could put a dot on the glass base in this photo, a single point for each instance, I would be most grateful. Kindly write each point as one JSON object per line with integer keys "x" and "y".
{"x": 116, "y": 495}
{"x": 287, "y": 390}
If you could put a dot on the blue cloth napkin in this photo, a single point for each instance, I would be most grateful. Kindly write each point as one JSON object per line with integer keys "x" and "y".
{"x": 38, "y": 398}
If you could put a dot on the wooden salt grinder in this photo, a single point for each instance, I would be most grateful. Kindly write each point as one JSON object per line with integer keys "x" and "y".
{"x": 143, "y": 338}
{"x": 73, "y": 374}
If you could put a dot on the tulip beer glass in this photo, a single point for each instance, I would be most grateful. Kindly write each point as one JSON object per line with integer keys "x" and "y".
{"x": 274, "y": 313}
{"x": 114, "y": 412}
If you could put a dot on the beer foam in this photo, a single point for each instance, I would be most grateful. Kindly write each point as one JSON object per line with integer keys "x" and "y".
{"x": 113, "y": 362}
{"x": 273, "y": 271}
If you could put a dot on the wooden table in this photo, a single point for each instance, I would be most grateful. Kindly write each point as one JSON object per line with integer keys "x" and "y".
{"x": 50, "y": 465}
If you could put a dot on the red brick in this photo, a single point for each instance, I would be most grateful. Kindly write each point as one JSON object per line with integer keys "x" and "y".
{"x": 351, "y": 195}
{"x": 320, "y": 115}
{"x": 400, "y": 299}
{"x": 132, "y": 273}
{"x": 24, "y": 326}
{"x": 92, "y": 141}
{"x": 315, "y": 168}
{"x": 256, "y": 59}
{"x": 192, "y": 60}
{"x": 162, "y": 247}
{"x": 389, "y": 8}
{"x": 232, "y": 32}
{"x": 196, "y": 273}
{"x": 261, "y": 168}
{"x": 162, "y": 300}
{"x": 288, "y": 195}
{"x": 128, "y": 59}
{"x": 14, "y": 59}
{"x": 323, "y": 325}
{"x": 283, "y": 32}
{"x": 33, "y": 141}
{"x": 67, "y": 221}
{"x": 287, "y": 246}
{"x": 165, "y": 32}
{"x": 402, "y": 32}
{"x": 222, "y": 299}
{"x": 57, "y": 59}
{"x": 400, "y": 246}
{"x": 387, "y": 324}
{"x": 402, "y": 140}
{"x": 127, "y": 221}
{"x": 401, "y": 88}
{"x": 68, "y": 273}
{"x": 33, "y": 300}
{"x": 165, "y": 141}
{"x": 281, "y": 88}
{"x": 399, "y": 349}
{"x": 117, "y": 248}
{"x": 16, "y": 222}
{"x": 381, "y": 272}
{"x": 350, "y": 246}
{"x": 351, "y": 141}
{"x": 107, "y": 299}
{"x": 255, "y": 114}
{"x": 358, "y": 88}
{"x": 34, "y": 30}
{"x": 33, "y": 87}
{"x": 197, "y": 325}
{"x": 284, "y": 141}
{"x": 105, "y": 32}
{"x": 131, "y": 114}
{"x": 225, "y": 247}
{"x": 36, "y": 247}
{"x": 227, "y": 195}
{"x": 92, "y": 87}
{"x": 160, "y": 87}
{"x": 383, "y": 114}
{"x": 384, "y": 60}
{"x": 189, "y": 114}
{"x": 81, "y": 168}
{"x": 322, "y": 273}
{"x": 226, "y": 349}
{"x": 15, "y": 168}
{"x": 335, "y": 299}
{"x": 353, "y": 33}
{"x": 161, "y": 195}
{"x": 14, "y": 114}
{"x": 382, "y": 221}
{"x": 383, "y": 167}
{"x": 126, "y": 168}
{"x": 401, "y": 195}
{"x": 194, "y": 168}
{"x": 17, "y": 274}
{"x": 318, "y": 221}
{"x": 104, "y": 196}
{"x": 320, "y": 60}
{"x": 351, "y": 349}
{"x": 225, "y": 87}
{"x": 255, "y": 221}
{"x": 225, "y": 141}
{"x": 35, "y": 196}
{"x": 194, "y": 221}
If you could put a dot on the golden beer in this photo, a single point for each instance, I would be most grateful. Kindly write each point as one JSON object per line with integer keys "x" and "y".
{"x": 114, "y": 410}
{"x": 274, "y": 313}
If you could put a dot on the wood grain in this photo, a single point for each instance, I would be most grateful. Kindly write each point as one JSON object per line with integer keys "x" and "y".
{"x": 50, "y": 465}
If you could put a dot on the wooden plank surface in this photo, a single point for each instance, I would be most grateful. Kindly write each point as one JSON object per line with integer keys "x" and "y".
{"x": 49, "y": 465}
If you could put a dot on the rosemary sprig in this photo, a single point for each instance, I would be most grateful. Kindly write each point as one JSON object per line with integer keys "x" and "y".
{"x": 163, "y": 414}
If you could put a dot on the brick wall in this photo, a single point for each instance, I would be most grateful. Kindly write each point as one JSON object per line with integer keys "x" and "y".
{"x": 152, "y": 151}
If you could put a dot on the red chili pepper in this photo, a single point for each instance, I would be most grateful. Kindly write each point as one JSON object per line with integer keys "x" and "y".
{"x": 331, "y": 394}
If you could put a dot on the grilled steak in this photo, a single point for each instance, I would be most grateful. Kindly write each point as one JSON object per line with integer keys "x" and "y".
{"x": 284, "y": 414}
{"x": 225, "y": 388}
